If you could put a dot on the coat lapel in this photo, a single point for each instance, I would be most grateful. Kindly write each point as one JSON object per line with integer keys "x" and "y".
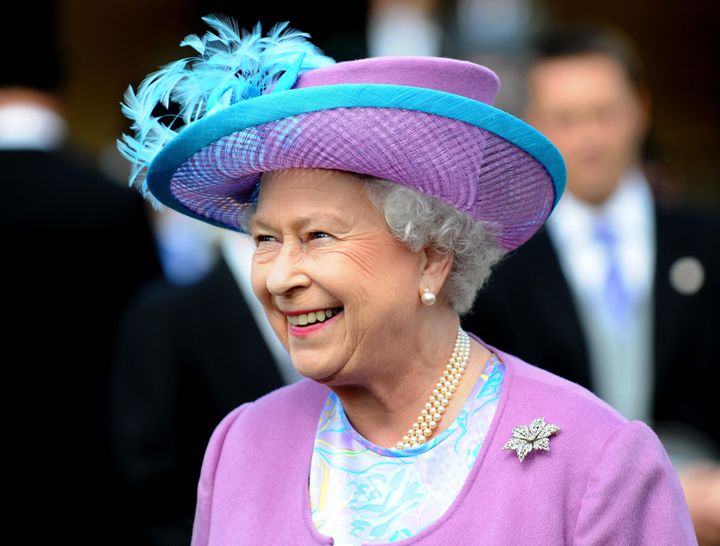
{"x": 554, "y": 301}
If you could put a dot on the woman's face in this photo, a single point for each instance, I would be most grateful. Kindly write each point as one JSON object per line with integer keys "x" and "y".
{"x": 323, "y": 248}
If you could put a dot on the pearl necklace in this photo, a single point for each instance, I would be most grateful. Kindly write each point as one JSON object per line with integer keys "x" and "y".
{"x": 434, "y": 409}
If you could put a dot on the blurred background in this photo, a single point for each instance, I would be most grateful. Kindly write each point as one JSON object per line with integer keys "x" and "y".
{"x": 106, "y": 46}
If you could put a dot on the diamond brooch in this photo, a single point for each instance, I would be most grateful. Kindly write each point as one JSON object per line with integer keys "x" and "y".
{"x": 533, "y": 437}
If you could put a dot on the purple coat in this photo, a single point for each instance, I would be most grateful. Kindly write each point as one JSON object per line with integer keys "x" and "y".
{"x": 605, "y": 480}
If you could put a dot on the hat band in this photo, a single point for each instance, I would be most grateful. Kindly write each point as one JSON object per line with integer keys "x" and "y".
{"x": 283, "y": 104}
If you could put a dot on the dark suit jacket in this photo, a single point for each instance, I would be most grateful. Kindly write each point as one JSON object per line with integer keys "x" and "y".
{"x": 76, "y": 247}
{"x": 186, "y": 357}
{"x": 527, "y": 310}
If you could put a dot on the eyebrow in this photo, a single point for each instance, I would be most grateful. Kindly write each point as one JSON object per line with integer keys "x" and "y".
{"x": 301, "y": 222}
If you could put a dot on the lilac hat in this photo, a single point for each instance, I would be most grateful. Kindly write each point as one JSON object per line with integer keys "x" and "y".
{"x": 251, "y": 104}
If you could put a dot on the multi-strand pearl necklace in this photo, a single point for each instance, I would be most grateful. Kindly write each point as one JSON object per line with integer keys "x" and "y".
{"x": 429, "y": 419}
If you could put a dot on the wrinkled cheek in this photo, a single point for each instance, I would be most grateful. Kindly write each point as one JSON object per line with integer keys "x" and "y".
{"x": 259, "y": 288}
{"x": 258, "y": 282}
{"x": 368, "y": 261}
{"x": 379, "y": 313}
{"x": 359, "y": 331}
{"x": 278, "y": 323}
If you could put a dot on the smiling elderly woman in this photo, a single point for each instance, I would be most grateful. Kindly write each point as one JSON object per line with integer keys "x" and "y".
{"x": 380, "y": 192}
{"x": 338, "y": 247}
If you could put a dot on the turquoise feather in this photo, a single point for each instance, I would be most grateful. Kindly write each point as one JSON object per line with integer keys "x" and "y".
{"x": 231, "y": 65}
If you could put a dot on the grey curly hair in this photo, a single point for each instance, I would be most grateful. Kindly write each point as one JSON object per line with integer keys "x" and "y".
{"x": 419, "y": 220}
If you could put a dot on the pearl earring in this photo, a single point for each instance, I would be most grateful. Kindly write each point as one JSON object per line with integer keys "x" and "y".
{"x": 428, "y": 298}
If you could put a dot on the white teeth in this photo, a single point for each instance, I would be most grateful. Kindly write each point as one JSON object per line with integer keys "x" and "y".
{"x": 311, "y": 318}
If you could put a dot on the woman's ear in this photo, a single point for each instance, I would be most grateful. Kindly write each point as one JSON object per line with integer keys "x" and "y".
{"x": 436, "y": 266}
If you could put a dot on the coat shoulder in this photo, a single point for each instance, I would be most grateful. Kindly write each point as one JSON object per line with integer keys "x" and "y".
{"x": 289, "y": 410}
{"x": 537, "y": 390}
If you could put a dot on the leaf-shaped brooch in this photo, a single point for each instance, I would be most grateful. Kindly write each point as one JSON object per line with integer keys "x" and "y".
{"x": 534, "y": 437}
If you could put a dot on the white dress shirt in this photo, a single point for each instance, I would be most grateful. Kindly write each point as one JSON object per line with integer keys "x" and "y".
{"x": 621, "y": 359}
{"x": 30, "y": 126}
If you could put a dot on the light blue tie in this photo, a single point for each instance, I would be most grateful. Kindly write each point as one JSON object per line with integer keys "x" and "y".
{"x": 615, "y": 296}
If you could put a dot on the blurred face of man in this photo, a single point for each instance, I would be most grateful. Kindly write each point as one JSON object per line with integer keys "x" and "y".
{"x": 587, "y": 106}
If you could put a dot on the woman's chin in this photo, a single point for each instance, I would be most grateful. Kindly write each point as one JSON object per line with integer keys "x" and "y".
{"x": 318, "y": 373}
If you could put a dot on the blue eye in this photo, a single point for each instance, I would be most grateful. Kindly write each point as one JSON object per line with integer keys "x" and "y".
{"x": 263, "y": 238}
{"x": 319, "y": 235}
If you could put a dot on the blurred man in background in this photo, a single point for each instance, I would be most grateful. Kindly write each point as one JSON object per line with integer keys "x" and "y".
{"x": 625, "y": 303}
{"x": 76, "y": 247}
{"x": 186, "y": 356}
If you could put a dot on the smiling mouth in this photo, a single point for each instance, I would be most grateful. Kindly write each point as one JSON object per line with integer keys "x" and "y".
{"x": 308, "y": 319}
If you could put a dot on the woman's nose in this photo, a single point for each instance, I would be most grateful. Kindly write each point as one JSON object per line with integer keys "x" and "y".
{"x": 287, "y": 272}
